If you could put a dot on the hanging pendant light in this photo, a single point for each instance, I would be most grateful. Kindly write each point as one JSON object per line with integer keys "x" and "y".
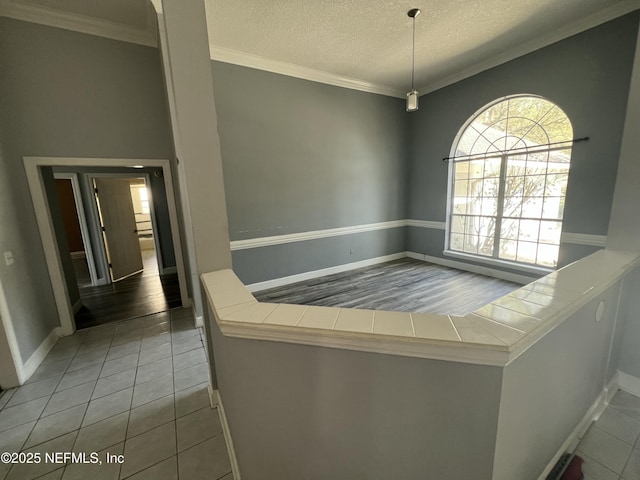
{"x": 412, "y": 96}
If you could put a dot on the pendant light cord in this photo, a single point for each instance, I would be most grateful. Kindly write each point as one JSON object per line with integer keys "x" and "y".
{"x": 413, "y": 54}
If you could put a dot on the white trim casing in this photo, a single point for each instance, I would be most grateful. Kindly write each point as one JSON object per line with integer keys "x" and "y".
{"x": 78, "y": 23}
{"x": 82, "y": 220}
{"x": 313, "y": 235}
{"x": 39, "y": 355}
{"x": 300, "y": 277}
{"x": 584, "y": 239}
{"x": 427, "y": 224}
{"x": 491, "y": 272}
{"x": 592, "y": 415}
{"x": 243, "y": 59}
{"x": 52, "y": 254}
{"x": 216, "y": 401}
{"x": 629, "y": 383}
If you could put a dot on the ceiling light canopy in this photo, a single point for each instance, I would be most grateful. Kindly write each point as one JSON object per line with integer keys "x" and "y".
{"x": 412, "y": 96}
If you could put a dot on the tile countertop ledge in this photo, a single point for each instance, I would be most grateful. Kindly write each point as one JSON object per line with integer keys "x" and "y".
{"x": 495, "y": 334}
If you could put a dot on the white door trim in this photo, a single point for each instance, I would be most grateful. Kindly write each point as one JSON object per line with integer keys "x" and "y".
{"x": 82, "y": 220}
{"x": 32, "y": 167}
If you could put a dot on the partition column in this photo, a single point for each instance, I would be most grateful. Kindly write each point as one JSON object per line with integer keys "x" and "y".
{"x": 187, "y": 65}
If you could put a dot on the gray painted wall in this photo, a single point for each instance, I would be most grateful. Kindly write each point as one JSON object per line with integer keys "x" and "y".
{"x": 586, "y": 75}
{"x": 298, "y": 411}
{"x": 630, "y": 356}
{"x": 300, "y": 156}
{"x": 65, "y": 94}
{"x": 548, "y": 389}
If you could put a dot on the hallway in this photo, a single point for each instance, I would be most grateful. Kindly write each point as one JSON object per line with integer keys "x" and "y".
{"x": 137, "y": 388}
{"x": 141, "y": 294}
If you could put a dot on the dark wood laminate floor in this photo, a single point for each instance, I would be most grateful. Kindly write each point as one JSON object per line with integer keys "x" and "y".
{"x": 142, "y": 294}
{"x": 405, "y": 285}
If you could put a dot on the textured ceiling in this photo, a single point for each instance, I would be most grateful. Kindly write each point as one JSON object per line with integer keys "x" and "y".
{"x": 370, "y": 40}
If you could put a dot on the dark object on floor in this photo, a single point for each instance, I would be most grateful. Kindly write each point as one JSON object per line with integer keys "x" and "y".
{"x": 569, "y": 467}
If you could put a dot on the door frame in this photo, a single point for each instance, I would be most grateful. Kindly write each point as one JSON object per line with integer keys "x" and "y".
{"x": 35, "y": 180}
{"x": 152, "y": 214}
{"x": 82, "y": 220}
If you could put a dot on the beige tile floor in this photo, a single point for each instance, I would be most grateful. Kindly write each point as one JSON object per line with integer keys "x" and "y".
{"x": 611, "y": 447}
{"x": 137, "y": 388}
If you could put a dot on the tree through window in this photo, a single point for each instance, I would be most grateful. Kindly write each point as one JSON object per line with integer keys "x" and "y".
{"x": 509, "y": 180}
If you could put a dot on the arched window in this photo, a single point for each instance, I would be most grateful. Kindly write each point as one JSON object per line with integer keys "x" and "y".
{"x": 509, "y": 175}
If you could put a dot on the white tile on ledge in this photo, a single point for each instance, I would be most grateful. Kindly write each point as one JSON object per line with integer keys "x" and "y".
{"x": 508, "y": 317}
{"x": 320, "y": 317}
{"x": 393, "y": 323}
{"x": 223, "y": 312}
{"x": 504, "y": 333}
{"x": 436, "y": 327}
{"x": 555, "y": 303}
{"x": 551, "y": 291}
{"x": 353, "y": 320}
{"x": 221, "y": 280}
{"x": 228, "y": 298}
{"x": 286, "y": 314}
{"x": 470, "y": 332}
{"x": 253, "y": 313}
{"x": 526, "y": 308}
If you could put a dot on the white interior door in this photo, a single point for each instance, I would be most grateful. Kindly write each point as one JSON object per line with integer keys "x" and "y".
{"x": 119, "y": 227}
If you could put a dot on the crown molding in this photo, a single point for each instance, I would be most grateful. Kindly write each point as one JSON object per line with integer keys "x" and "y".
{"x": 614, "y": 11}
{"x": 243, "y": 59}
{"x": 79, "y": 23}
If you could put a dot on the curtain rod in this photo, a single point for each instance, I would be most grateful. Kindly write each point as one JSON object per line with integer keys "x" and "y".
{"x": 526, "y": 149}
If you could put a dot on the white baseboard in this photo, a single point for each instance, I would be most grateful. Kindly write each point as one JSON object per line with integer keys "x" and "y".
{"x": 598, "y": 407}
{"x": 26, "y": 370}
{"x": 199, "y": 321}
{"x": 77, "y": 306}
{"x": 216, "y": 402}
{"x": 168, "y": 270}
{"x": 629, "y": 383}
{"x": 81, "y": 254}
{"x": 469, "y": 267}
{"x": 300, "y": 277}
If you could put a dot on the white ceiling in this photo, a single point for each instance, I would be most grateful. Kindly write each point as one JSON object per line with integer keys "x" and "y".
{"x": 369, "y": 41}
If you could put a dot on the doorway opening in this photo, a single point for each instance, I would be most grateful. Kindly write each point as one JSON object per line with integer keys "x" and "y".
{"x": 127, "y": 260}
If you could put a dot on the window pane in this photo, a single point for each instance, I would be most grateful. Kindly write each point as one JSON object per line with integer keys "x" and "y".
{"x": 485, "y": 246}
{"x": 457, "y": 224}
{"x": 471, "y": 243}
{"x": 527, "y": 252}
{"x": 556, "y": 185}
{"x": 492, "y": 167}
{"x": 461, "y": 170}
{"x": 460, "y": 205}
{"x": 534, "y": 185}
{"x": 490, "y": 187}
{"x": 476, "y": 168}
{"x": 509, "y": 229}
{"x": 529, "y": 230}
{"x": 461, "y": 187}
{"x": 553, "y": 207}
{"x": 532, "y": 207}
{"x": 489, "y": 206}
{"x": 512, "y": 207}
{"x": 530, "y": 193}
{"x": 456, "y": 241}
{"x": 508, "y": 249}
{"x": 550, "y": 232}
{"x": 548, "y": 255}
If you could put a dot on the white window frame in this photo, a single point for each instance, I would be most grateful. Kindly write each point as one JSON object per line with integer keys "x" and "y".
{"x": 493, "y": 260}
